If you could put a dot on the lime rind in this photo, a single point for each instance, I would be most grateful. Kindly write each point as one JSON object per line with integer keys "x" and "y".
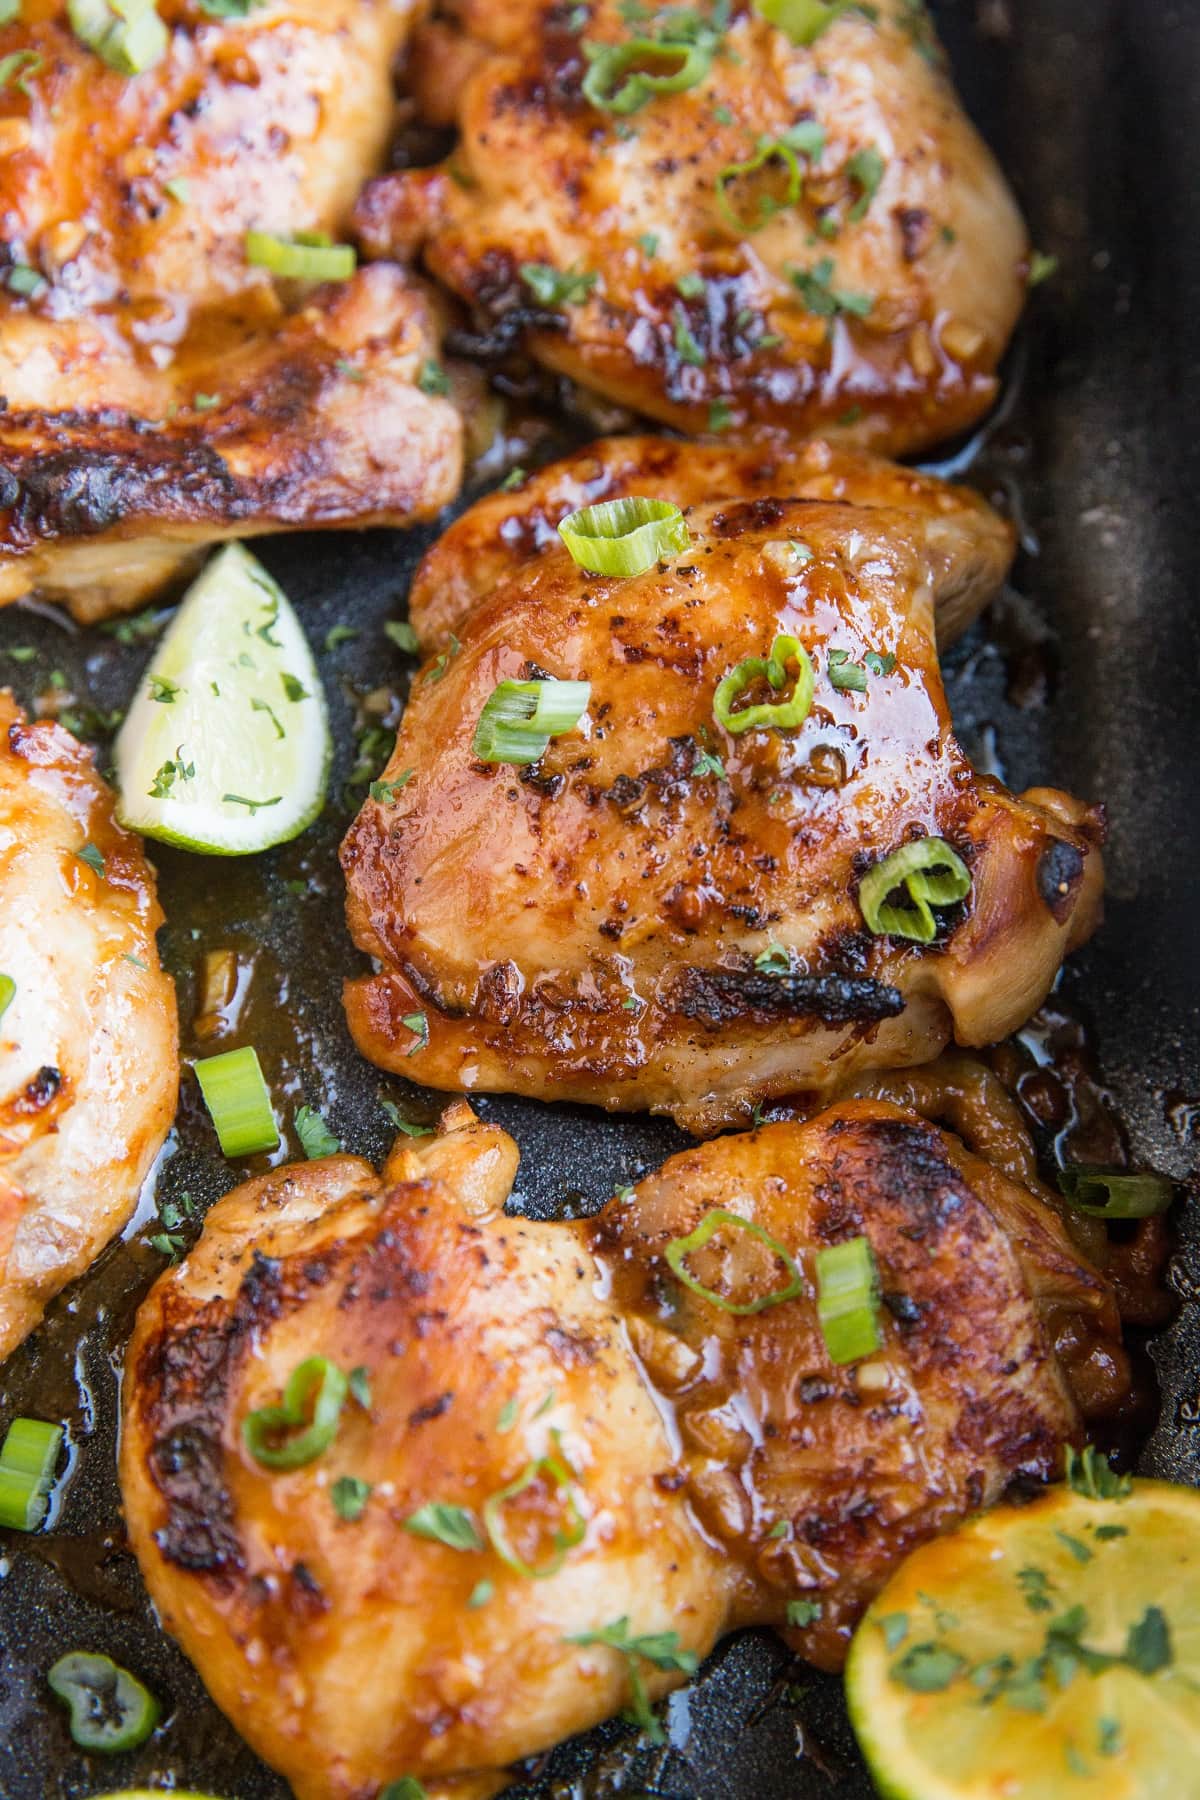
{"x": 1120, "y": 1732}
{"x": 226, "y": 748}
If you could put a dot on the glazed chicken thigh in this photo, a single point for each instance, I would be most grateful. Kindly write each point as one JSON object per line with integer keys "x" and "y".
{"x": 700, "y": 218}
{"x": 571, "y": 1469}
{"x": 666, "y": 909}
{"x": 89, "y": 1069}
{"x": 160, "y": 391}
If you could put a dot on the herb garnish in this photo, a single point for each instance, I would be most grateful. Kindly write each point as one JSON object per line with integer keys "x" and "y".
{"x": 316, "y": 1139}
{"x": 94, "y": 858}
{"x": 453, "y": 1526}
{"x": 813, "y": 286}
{"x": 557, "y": 287}
{"x": 660, "y": 1648}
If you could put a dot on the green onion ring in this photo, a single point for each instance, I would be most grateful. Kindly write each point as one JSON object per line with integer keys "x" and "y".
{"x": 520, "y": 717}
{"x": 315, "y": 1383}
{"x": 1115, "y": 1193}
{"x": 27, "y": 1462}
{"x": 305, "y": 256}
{"x": 681, "y": 1247}
{"x": 624, "y": 537}
{"x": 802, "y": 21}
{"x": 930, "y": 872}
{"x": 110, "y": 1709}
{"x": 556, "y": 1468}
{"x": 783, "y": 715}
{"x": 238, "y": 1101}
{"x": 619, "y": 80}
{"x": 126, "y": 34}
{"x": 770, "y": 151}
{"x": 848, "y": 1300}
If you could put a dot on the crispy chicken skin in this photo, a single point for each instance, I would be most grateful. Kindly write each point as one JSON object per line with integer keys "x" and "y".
{"x": 497, "y": 536}
{"x": 89, "y": 1069}
{"x": 721, "y": 1465}
{"x": 588, "y": 928}
{"x": 886, "y": 291}
{"x": 160, "y": 392}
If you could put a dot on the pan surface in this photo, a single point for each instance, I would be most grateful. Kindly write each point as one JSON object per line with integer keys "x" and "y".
{"x": 1087, "y": 677}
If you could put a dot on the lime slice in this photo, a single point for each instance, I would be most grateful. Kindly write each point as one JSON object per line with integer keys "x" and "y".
{"x": 1040, "y": 1652}
{"x": 226, "y": 748}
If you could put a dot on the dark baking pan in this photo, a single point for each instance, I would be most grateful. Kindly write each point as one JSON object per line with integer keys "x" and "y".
{"x": 1089, "y": 679}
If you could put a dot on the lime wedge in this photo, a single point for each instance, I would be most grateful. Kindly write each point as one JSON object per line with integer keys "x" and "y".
{"x": 226, "y": 748}
{"x": 1046, "y": 1652}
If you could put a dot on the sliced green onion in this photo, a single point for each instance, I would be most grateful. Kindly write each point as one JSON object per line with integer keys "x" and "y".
{"x": 772, "y": 151}
{"x": 624, "y": 537}
{"x": 783, "y": 715}
{"x": 8, "y": 993}
{"x": 126, "y": 34}
{"x": 623, "y": 77}
{"x": 304, "y": 1426}
{"x": 848, "y": 1300}
{"x": 305, "y": 256}
{"x": 802, "y": 20}
{"x": 110, "y": 1709}
{"x": 520, "y": 717}
{"x": 407, "y": 1788}
{"x": 553, "y": 1468}
{"x": 237, "y": 1098}
{"x": 27, "y": 1462}
{"x": 1115, "y": 1194}
{"x": 682, "y": 1247}
{"x": 931, "y": 874}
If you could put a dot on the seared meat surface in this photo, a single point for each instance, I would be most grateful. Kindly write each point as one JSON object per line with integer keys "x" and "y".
{"x": 802, "y": 236}
{"x": 89, "y": 1070}
{"x": 519, "y": 1382}
{"x": 661, "y": 913}
{"x": 161, "y": 392}
{"x": 495, "y": 539}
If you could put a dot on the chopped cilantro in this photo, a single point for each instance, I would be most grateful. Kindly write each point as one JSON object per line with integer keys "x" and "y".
{"x": 350, "y": 1494}
{"x": 444, "y": 1524}
{"x": 316, "y": 1139}
{"x": 557, "y": 287}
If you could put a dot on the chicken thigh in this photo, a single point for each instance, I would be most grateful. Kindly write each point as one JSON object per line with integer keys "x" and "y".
{"x": 554, "y": 1472}
{"x": 89, "y": 1070}
{"x": 716, "y": 220}
{"x": 666, "y": 910}
{"x": 160, "y": 391}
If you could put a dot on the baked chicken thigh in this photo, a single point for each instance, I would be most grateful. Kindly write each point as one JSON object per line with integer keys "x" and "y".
{"x": 555, "y": 1462}
{"x": 161, "y": 392}
{"x": 89, "y": 1070}
{"x": 672, "y": 907}
{"x": 704, "y": 219}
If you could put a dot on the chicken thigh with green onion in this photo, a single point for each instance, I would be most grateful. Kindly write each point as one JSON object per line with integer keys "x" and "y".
{"x": 722, "y": 216}
{"x": 423, "y": 1487}
{"x": 699, "y": 834}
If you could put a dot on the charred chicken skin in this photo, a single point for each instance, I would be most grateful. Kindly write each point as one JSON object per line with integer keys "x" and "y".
{"x": 702, "y": 220}
{"x": 89, "y": 1070}
{"x": 557, "y": 1448}
{"x": 160, "y": 391}
{"x": 665, "y": 911}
